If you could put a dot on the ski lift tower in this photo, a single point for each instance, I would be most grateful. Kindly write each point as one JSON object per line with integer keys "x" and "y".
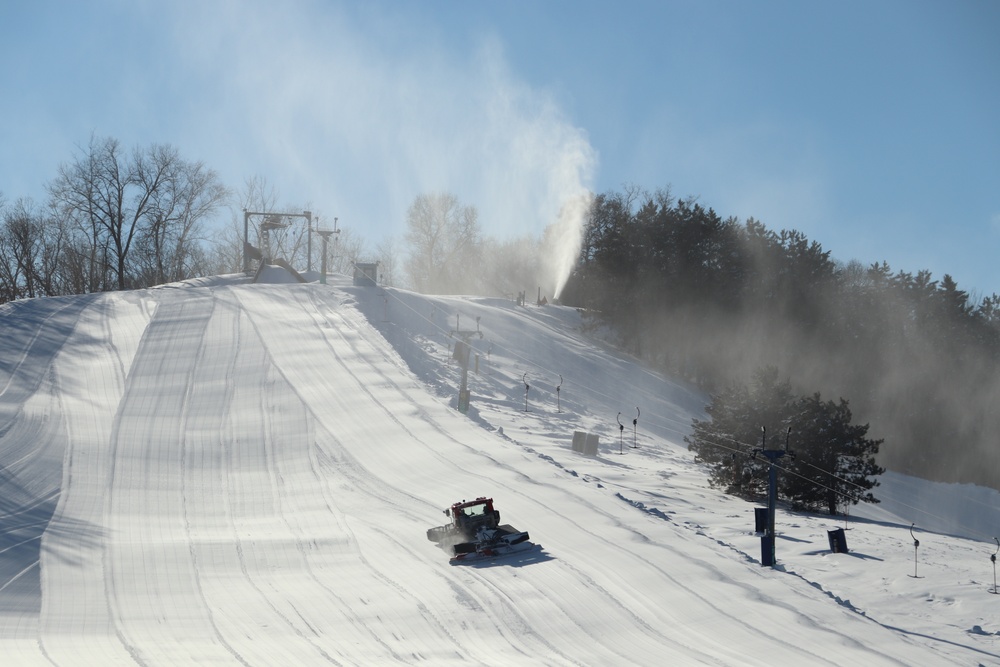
{"x": 325, "y": 234}
{"x": 461, "y": 354}
{"x": 767, "y": 558}
{"x": 273, "y": 221}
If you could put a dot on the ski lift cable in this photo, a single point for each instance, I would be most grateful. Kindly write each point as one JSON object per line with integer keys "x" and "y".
{"x": 542, "y": 370}
{"x": 788, "y": 470}
{"x": 803, "y": 462}
{"x": 591, "y": 390}
{"x": 886, "y": 495}
{"x": 524, "y": 361}
{"x": 510, "y": 352}
{"x": 744, "y": 449}
{"x": 889, "y": 496}
{"x": 588, "y": 388}
{"x": 844, "y": 494}
{"x": 827, "y": 472}
{"x": 660, "y": 422}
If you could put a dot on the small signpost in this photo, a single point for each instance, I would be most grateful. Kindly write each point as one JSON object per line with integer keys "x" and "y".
{"x": 916, "y": 544}
{"x": 993, "y": 559}
{"x": 621, "y": 433}
{"x": 524, "y": 379}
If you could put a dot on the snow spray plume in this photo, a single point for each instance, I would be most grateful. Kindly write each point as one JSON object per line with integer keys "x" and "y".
{"x": 536, "y": 168}
{"x": 367, "y": 128}
{"x": 563, "y": 240}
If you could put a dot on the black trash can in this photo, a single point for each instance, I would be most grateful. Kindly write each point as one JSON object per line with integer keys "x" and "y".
{"x": 760, "y": 519}
{"x": 838, "y": 541}
{"x": 766, "y": 551}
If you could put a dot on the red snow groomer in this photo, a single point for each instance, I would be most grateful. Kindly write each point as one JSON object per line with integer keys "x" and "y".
{"x": 475, "y": 532}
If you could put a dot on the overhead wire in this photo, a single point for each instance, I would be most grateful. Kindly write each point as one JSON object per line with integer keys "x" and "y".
{"x": 535, "y": 366}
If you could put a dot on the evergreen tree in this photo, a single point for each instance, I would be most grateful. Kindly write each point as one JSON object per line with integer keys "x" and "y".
{"x": 834, "y": 463}
{"x": 727, "y": 440}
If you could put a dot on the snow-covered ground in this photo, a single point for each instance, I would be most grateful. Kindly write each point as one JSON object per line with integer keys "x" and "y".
{"x": 232, "y": 473}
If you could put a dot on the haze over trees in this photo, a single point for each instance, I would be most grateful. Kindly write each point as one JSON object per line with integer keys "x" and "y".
{"x": 712, "y": 299}
{"x": 448, "y": 253}
{"x": 444, "y": 238}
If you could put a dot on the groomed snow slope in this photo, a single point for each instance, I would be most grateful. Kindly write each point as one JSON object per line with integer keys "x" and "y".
{"x": 230, "y": 473}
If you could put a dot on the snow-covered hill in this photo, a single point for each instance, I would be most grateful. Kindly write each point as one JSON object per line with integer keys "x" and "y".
{"x": 233, "y": 473}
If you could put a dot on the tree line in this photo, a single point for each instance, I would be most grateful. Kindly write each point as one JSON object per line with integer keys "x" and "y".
{"x": 128, "y": 218}
{"x": 114, "y": 219}
{"x": 125, "y": 218}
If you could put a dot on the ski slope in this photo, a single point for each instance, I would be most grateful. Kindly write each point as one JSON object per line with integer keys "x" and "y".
{"x": 233, "y": 473}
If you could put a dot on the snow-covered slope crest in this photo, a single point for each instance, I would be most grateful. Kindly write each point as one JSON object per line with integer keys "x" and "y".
{"x": 234, "y": 473}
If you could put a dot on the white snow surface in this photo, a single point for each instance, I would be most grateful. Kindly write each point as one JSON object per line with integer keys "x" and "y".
{"x": 231, "y": 473}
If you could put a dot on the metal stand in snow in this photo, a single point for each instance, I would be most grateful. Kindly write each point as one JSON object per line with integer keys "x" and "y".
{"x": 524, "y": 379}
{"x": 558, "y": 387}
{"x": 767, "y": 557}
{"x": 635, "y": 423}
{"x": 916, "y": 544}
{"x": 621, "y": 433}
{"x": 993, "y": 559}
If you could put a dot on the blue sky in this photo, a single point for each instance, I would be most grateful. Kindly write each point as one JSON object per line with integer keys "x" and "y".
{"x": 871, "y": 126}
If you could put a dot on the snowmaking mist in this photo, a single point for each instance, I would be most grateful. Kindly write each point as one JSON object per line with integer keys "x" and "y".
{"x": 364, "y": 112}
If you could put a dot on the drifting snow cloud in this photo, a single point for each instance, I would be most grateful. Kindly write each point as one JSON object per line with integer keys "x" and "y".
{"x": 357, "y": 113}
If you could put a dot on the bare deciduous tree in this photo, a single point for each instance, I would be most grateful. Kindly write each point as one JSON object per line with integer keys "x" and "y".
{"x": 23, "y": 249}
{"x": 171, "y": 240}
{"x": 444, "y": 243}
{"x": 149, "y": 198}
